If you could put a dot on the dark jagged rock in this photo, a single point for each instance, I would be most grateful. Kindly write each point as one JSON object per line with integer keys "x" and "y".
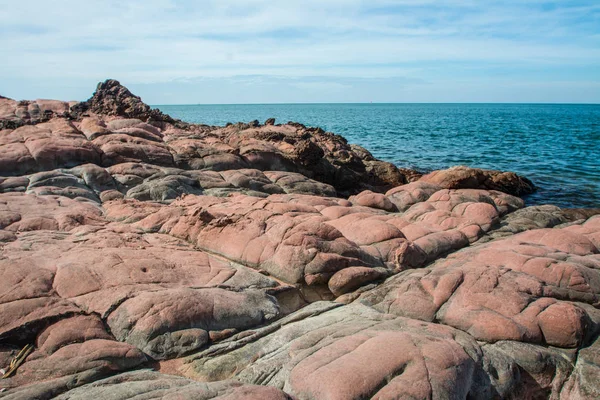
{"x": 14, "y": 114}
{"x": 113, "y": 99}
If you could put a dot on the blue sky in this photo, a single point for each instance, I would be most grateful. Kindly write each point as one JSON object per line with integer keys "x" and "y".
{"x": 266, "y": 51}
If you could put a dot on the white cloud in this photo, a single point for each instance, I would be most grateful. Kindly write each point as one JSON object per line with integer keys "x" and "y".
{"x": 162, "y": 40}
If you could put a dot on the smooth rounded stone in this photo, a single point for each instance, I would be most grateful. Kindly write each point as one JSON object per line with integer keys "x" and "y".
{"x": 533, "y": 217}
{"x": 252, "y": 179}
{"x": 141, "y": 170}
{"x": 60, "y": 184}
{"x": 74, "y": 269}
{"x": 266, "y": 158}
{"x": 223, "y": 161}
{"x": 307, "y": 239}
{"x": 405, "y": 196}
{"x": 525, "y": 371}
{"x": 22, "y": 319}
{"x": 350, "y": 279}
{"x": 143, "y": 131}
{"x": 220, "y": 162}
{"x": 54, "y": 106}
{"x": 294, "y": 183}
{"x": 164, "y": 189}
{"x": 95, "y": 177}
{"x": 6, "y": 236}
{"x": 116, "y": 124}
{"x": 77, "y": 329}
{"x": 71, "y": 192}
{"x": 98, "y": 268}
{"x": 242, "y": 237}
{"x": 8, "y": 118}
{"x": 383, "y": 175}
{"x": 109, "y": 195}
{"x": 15, "y": 159}
{"x": 99, "y": 264}
{"x": 173, "y": 322}
{"x": 562, "y": 240}
{"x": 14, "y": 184}
{"x": 46, "y": 146}
{"x": 374, "y": 200}
{"x": 462, "y": 177}
{"x": 93, "y": 128}
{"x": 154, "y": 385}
{"x": 523, "y": 288}
{"x": 22, "y": 212}
{"x": 82, "y": 362}
{"x": 65, "y": 146}
{"x": 349, "y": 352}
{"x": 207, "y": 153}
{"x": 120, "y": 148}
{"x": 21, "y": 280}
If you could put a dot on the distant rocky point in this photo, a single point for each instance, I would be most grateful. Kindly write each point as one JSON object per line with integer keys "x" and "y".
{"x": 146, "y": 256}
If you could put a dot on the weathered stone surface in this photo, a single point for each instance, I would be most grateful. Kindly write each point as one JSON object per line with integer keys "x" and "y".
{"x": 293, "y": 183}
{"x": 14, "y": 114}
{"x": 473, "y": 178}
{"x": 307, "y": 239}
{"x": 75, "y": 350}
{"x": 20, "y": 212}
{"x": 583, "y": 383}
{"x": 131, "y": 240}
{"x": 351, "y": 352}
{"x": 526, "y": 371}
{"x": 525, "y": 288}
{"x": 172, "y": 322}
{"x": 405, "y": 196}
{"x": 153, "y": 385}
{"x": 43, "y": 147}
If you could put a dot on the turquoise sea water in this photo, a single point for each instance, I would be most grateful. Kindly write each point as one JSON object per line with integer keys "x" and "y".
{"x": 556, "y": 146}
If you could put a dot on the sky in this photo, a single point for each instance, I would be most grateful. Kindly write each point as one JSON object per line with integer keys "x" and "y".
{"x": 303, "y": 51}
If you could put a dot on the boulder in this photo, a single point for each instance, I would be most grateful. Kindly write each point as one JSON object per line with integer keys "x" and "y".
{"x": 462, "y": 177}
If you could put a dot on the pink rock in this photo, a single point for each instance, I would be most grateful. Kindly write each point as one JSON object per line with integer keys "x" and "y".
{"x": 374, "y": 200}
{"x": 464, "y": 177}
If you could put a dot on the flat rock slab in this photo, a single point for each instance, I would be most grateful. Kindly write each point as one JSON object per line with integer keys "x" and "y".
{"x": 153, "y": 385}
{"x": 304, "y": 239}
{"x": 349, "y": 352}
{"x": 530, "y": 287}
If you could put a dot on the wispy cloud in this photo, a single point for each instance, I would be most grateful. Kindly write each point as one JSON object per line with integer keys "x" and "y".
{"x": 153, "y": 41}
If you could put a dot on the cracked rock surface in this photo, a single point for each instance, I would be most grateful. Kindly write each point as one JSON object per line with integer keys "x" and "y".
{"x": 144, "y": 257}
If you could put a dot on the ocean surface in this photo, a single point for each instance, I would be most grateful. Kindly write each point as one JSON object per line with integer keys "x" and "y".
{"x": 556, "y": 146}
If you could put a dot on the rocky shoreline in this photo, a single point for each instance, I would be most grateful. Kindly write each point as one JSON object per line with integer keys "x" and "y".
{"x": 143, "y": 255}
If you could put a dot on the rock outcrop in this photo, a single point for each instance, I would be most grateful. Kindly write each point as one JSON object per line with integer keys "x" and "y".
{"x": 462, "y": 177}
{"x": 146, "y": 257}
{"x": 113, "y": 99}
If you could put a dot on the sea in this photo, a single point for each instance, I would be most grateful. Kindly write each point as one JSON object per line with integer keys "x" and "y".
{"x": 557, "y": 146}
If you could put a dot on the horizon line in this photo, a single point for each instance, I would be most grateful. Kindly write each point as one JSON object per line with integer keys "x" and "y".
{"x": 380, "y": 103}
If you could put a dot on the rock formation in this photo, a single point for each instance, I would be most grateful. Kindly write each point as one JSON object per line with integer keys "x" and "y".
{"x": 144, "y": 256}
